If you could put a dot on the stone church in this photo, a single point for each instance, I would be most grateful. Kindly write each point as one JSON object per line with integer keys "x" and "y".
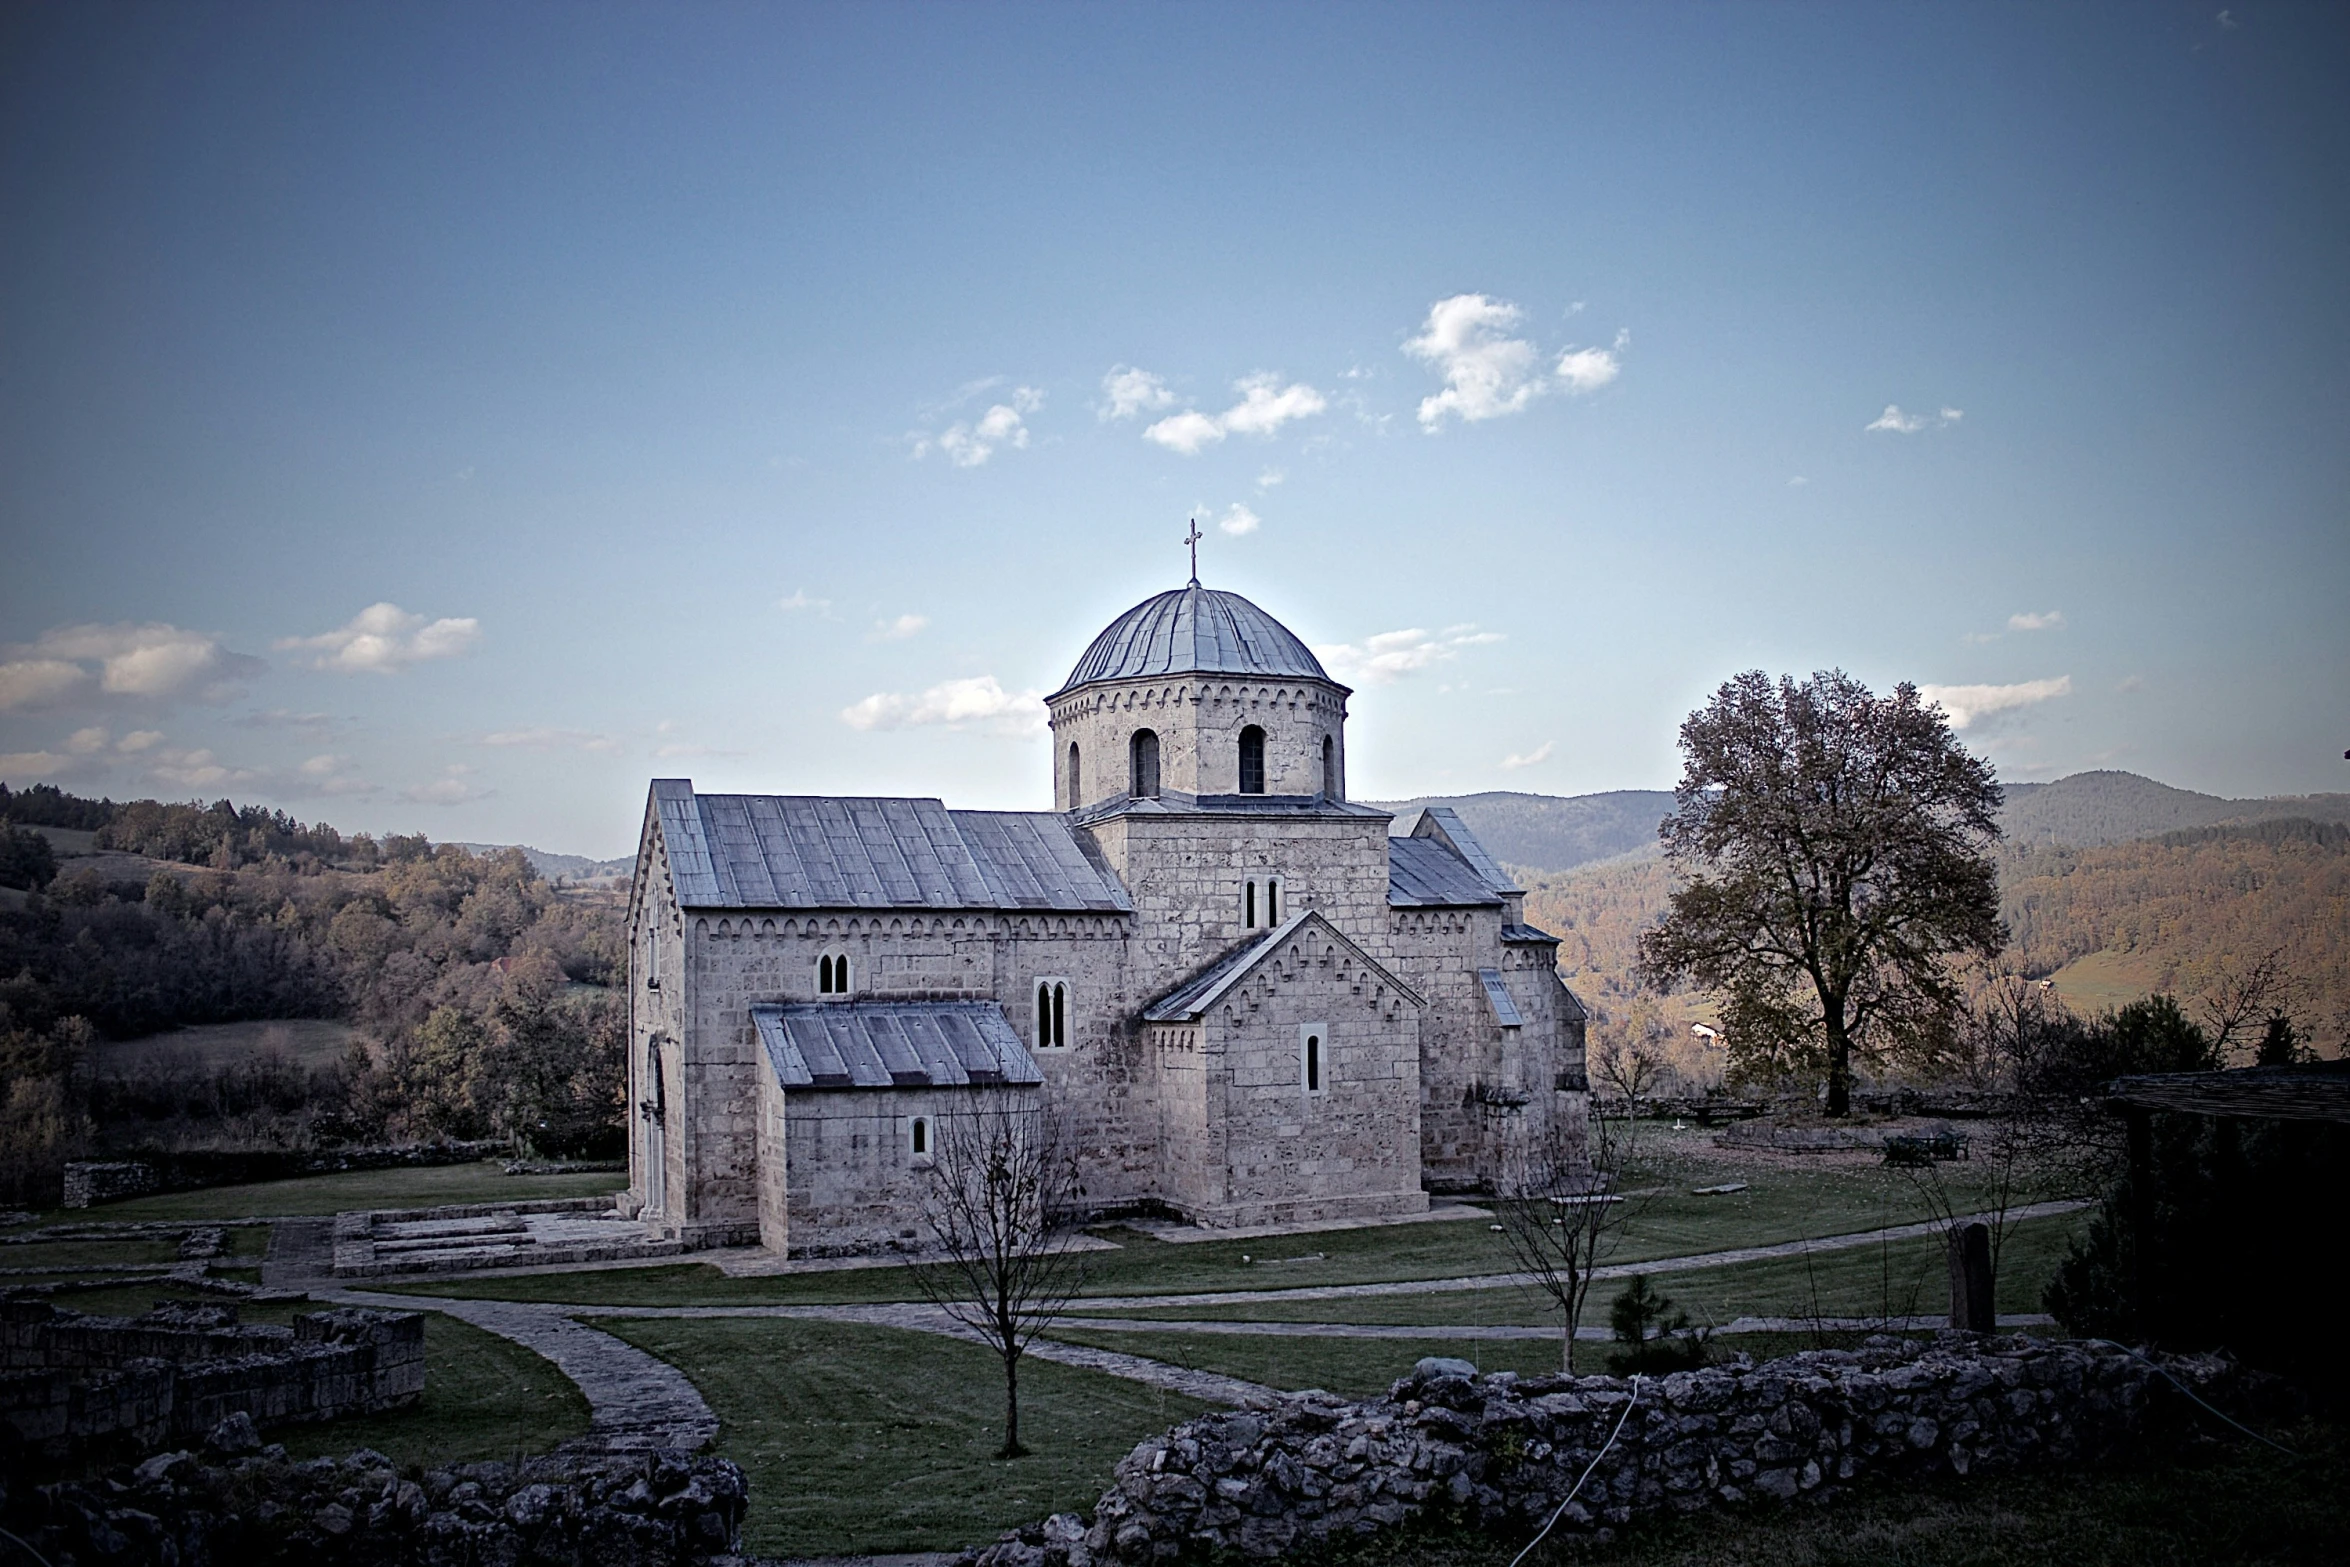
{"x": 1249, "y": 1000}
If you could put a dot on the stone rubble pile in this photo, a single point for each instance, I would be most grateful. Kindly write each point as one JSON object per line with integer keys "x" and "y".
{"x": 1501, "y": 1452}
{"x": 241, "y": 1505}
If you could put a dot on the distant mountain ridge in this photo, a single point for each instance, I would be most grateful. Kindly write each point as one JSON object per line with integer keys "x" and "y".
{"x": 558, "y": 867}
{"x": 1552, "y": 833}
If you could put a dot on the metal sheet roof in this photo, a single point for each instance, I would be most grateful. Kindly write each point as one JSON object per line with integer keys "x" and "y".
{"x": 894, "y": 1044}
{"x": 769, "y": 851}
{"x": 1443, "y": 821}
{"x": 1423, "y": 873}
{"x": 1194, "y": 630}
{"x": 1528, "y": 933}
{"x": 1497, "y": 996}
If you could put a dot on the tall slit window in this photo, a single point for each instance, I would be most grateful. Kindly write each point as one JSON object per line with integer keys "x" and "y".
{"x": 1052, "y": 1014}
{"x": 1272, "y": 902}
{"x": 919, "y": 1141}
{"x": 1329, "y": 768}
{"x": 1076, "y": 779}
{"x": 1252, "y": 760}
{"x": 832, "y": 975}
{"x": 1144, "y": 776}
{"x": 1313, "y": 1058}
{"x": 1248, "y": 908}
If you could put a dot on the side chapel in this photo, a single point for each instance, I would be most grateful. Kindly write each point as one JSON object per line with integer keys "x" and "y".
{"x": 1251, "y": 1000}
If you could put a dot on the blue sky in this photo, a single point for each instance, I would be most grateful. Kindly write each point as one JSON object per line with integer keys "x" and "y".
{"x": 448, "y": 418}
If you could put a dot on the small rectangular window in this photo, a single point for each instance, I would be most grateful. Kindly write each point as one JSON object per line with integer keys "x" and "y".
{"x": 1313, "y": 1057}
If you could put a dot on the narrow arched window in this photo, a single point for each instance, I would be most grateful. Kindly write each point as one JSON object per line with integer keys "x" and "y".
{"x": 1248, "y": 908}
{"x": 1044, "y": 1017}
{"x": 1252, "y": 760}
{"x": 840, "y": 974}
{"x": 1076, "y": 779}
{"x": 1312, "y": 1065}
{"x": 1060, "y": 1016}
{"x": 918, "y": 1137}
{"x": 1145, "y": 771}
{"x": 1272, "y": 903}
{"x": 824, "y": 975}
{"x": 1329, "y": 768}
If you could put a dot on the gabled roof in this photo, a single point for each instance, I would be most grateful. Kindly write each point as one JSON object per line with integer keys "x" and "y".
{"x": 1443, "y": 823}
{"x": 780, "y": 851}
{"x": 893, "y": 1044}
{"x": 1423, "y": 873}
{"x": 1197, "y": 995}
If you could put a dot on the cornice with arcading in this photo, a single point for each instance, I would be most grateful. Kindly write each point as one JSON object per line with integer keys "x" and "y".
{"x": 1193, "y": 691}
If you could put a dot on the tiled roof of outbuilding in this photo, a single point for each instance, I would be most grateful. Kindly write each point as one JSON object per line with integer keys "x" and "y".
{"x": 894, "y": 1044}
{"x": 1194, "y": 630}
{"x": 779, "y": 851}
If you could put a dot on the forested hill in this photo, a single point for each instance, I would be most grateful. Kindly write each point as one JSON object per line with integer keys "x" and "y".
{"x": 1551, "y": 833}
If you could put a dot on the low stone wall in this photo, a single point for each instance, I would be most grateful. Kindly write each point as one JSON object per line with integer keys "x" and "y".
{"x": 69, "y": 1382}
{"x": 96, "y": 1181}
{"x": 1501, "y": 1452}
{"x": 253, "y": 1508}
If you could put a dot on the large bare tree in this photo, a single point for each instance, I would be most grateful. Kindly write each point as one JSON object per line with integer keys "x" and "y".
{"x": 1003, "y": 1178}
{"x": 1833, "y": 849}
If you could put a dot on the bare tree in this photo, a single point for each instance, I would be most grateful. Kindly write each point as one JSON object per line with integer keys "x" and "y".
{"x": 1002, "y": 1176}
{"x": 1631, "y": 1064}
{"x": 2239, "y": 1003}
{"x": 1561, "y": 1222}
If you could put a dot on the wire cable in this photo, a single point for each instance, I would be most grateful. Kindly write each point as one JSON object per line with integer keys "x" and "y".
{"x": 1605, "y": 1448}
{"x": 2164, "y": 1373}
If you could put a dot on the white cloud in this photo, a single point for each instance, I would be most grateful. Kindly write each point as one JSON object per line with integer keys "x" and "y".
{"x": 899, "y": 629}
{"x": 139, "y": 740}
{"x": 1969, "y": 705}
{"x": 1797, "y": 482}
{"x": 1127, "y": 391}
{"x": 2036, "y": 620}
{"x": 976, "y": 703}
{"x": 332, "y": 775}
{"x": 22, "y": 765}
{"x": 87, "y": 742}
{"x": 37, "y": 682}
{"x": 1895, "y": 422}
{"x": 154, "y": 660}
{"x": 967, "y": 444}
{"x": 800, "y": 600}
{"x": 1388, "y": 656}
{"x": 1270, "y": 478}
{"x": 543, "y": 738}
{"x": 1265, "y": 406}
{"x": 1486, "y": 372}
{"x": 1540, "y": 753}
{"x": 451, "y": 788}
{"x": 285, "y": 718}
{"x": 198, "y": 769}
{"x": 383, "y": 639}
{"x": 1585, "y": 370}
{"x": 1238, "y": 519}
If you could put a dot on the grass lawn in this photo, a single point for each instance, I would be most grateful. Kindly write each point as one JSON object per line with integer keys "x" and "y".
{"x": 307, "y": 1042}
{"x": 865, "y": 1440}
{"x": 1784, "y": 1201}
{"x": 484, "y": 1396}
{"x": 482, "y": 1181}
{"x": 1901, "y": 1278}
{"x": 2233, "y": 1503}
{"x": 63, "y": 1256}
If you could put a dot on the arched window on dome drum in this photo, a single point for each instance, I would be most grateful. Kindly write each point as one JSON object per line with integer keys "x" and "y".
{"x": 1076, "y": 779}
{"x": 1252, "y": 760}
{"x": 1143, "y": 779}
{"x": 1329, "y": 767}
{"x": 824, "y": 975}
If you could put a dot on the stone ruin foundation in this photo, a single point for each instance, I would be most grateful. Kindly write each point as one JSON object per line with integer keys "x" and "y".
{"x": 71, "y": 1383}
{"x": 1501, "y": 1453}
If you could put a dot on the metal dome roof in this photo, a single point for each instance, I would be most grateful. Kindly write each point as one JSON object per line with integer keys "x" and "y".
{"x": 1194, "y": 630}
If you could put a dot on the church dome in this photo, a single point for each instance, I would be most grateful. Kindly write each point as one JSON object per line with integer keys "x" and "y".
{"x": 1194, "y": 630}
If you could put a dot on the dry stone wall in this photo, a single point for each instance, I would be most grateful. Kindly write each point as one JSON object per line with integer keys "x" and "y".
{"x": 1501, "y": 1453}
{"x": 70, "y": 1382}
{"x": 239, "y": 1503}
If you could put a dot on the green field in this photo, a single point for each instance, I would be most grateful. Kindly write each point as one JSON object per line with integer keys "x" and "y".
{"x": 311, "y": 1043}
{"x": 483, "y": 1181}
{"x": 868, "y": 1440}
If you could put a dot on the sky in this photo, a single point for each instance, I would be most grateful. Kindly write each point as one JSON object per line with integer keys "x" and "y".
{"x": 446, "y": 419}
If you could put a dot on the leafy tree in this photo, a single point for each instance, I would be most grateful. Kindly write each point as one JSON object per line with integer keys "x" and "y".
{"x": 1833, "y": 845}
{"x": 26, "y": 858}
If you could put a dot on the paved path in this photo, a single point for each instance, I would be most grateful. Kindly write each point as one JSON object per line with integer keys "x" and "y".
{"x": 638, "y": 1400}
{"x": 635, "y": 1400}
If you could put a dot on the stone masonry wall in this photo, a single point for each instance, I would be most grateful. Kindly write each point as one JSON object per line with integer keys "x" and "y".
{"x": 69, "y": 1381}
{"x": 1501, "y": 1453}
{"x": 1198, "y": 722}
{"x": 239, "y": 1503}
